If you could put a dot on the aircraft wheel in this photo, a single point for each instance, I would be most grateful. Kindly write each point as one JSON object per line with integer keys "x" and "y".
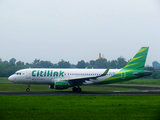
{"x": 74, "y": 89}
{"x": 79, "y": 89}
{"x": 27, "y": 89}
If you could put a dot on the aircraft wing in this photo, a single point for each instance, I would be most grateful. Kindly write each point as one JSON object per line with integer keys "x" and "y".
{"x": 79, "y": 80}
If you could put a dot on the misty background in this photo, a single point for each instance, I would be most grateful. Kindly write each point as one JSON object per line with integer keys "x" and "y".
{"x": 78, "y": 30}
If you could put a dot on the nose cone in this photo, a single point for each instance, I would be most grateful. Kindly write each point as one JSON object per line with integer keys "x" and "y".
{"x": 10, "y": 78}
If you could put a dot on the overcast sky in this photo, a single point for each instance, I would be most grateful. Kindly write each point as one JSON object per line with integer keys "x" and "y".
{"x": 75, "y": 30}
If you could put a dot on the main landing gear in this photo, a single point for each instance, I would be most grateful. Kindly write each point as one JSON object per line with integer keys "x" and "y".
{"x": 76, "y": 89}
{"x": 28, "y": 88}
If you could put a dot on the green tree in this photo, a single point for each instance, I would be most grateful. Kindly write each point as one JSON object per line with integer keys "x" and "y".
{"x": 121, "y": 62}
{"x": 5, "y": 62}
{"x": 46, "y": 64}
{"x": 12, "y": 61}
{"x": 64, "y": 64}
{"x": 20, "y": 63}
{"x": 28, "y": 64}
{"x": 1, "y": 61}
{"x": 101, "y": 63}
{"x": 114, "y": 64}
{"x": 81, "y": 64}
{"x": 92, "y": 63}
{"x": 36, "y": 62}
{"x": 155, "y": 75}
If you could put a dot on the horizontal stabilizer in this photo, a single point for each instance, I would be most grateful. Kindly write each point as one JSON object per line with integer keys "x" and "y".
{"x": 143, "y": 73}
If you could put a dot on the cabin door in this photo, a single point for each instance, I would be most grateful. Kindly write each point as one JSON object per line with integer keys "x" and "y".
{"x": 28, "y": 74}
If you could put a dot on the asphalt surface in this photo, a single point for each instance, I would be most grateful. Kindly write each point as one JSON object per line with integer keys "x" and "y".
{"x": 139, "y": 87}
{"x": 55, "y": 93}
{"x": 142, "y": 90}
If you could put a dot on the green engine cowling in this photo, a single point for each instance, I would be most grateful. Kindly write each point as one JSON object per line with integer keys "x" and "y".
{"x": 59, "y": 85}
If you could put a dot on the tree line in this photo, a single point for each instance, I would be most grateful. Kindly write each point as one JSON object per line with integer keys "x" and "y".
{"x": 9, "y": 67}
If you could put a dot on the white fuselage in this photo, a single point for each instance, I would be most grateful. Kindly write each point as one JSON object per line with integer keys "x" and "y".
{"x": 49, "y": 76}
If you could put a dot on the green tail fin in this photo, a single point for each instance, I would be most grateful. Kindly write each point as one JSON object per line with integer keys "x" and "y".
{"x": 138, "y": 61}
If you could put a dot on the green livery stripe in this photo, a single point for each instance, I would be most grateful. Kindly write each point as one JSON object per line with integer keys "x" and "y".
{"x": 127, "y": 70}
{"x": 136, "y": 65}
{"x": 138, "y": 61}
{"x": 135, "y": 58}
{"x": 142, "y": 49}
{"x": 113, "y": 78}
{"x": 131, "y": 64}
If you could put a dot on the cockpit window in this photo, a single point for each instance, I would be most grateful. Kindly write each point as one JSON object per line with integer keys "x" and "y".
{"x": 18, "y": 73}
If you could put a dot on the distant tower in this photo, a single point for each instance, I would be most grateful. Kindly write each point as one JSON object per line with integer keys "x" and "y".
{"x": 99, "y": 55}
{"x": 103, "y": 56}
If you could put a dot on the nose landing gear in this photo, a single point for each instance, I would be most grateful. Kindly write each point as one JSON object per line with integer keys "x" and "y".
{"x": 27, "y": 90}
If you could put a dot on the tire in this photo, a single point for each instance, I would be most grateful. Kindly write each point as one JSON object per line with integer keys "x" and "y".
{"x": 79, "y": 89}
{"x": 27, "y": 89}
{"x": 74, "y": 89}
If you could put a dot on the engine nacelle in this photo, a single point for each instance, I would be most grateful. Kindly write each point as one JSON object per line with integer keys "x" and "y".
{"x": 59, "y": 85}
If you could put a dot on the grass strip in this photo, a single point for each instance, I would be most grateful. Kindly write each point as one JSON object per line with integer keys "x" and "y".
{"x": 80, "y": 107}
{"x": 4, "y": 79}
{"x": 22, "y": 87}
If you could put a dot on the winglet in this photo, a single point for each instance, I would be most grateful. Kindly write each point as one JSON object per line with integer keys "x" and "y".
{"x": 105, "y": 73}
{"x": 86, "y": 68}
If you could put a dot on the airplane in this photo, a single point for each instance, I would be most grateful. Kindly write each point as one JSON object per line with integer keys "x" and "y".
{"x": 65, "y": 78}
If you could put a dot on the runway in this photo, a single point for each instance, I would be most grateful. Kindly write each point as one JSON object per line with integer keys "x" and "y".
{"x": 139, "y": 87}
{"x": 55, "y": 93}
{"x": 142, "y": 90}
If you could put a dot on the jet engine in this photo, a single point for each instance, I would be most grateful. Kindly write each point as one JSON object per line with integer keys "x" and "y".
{"x": 59, "y": 85}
